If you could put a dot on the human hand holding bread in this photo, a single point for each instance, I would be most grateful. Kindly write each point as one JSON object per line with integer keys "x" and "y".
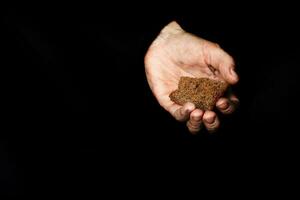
{"x": 188, "y": 76}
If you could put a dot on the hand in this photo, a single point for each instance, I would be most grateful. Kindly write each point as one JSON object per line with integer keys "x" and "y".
{"x": 175, "y": 53}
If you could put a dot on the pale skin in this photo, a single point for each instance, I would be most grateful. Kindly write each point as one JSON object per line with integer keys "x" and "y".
{"x": 175, "y": 53}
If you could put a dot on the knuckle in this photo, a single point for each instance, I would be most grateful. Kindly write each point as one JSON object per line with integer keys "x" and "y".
{"x": 177, "y": 117}
{"x": 194, "y": 130}
{"x": 193, "y": 126}
{"x": 213, "y": 127}
{"x": 180, "y": 119}
{"x": 228, "y": 110}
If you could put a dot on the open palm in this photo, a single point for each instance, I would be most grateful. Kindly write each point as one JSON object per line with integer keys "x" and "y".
{"x": 176, "y": 53}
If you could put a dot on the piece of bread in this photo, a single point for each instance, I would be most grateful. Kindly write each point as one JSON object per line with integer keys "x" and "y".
{"x": 203, "y": 92}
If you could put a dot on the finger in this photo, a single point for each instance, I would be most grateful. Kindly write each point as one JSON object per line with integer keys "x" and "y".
{"x": 233, "y": 99}
{"x": 195, "y": 123}
{"x": 211, "y": 121}
{"x": 182, "y": 113}
{"x": 224, "y": 106}
{"x": 223, "y": 62}
{"x": 227, "y": 105}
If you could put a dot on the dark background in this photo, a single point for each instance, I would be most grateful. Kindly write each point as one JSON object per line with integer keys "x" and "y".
{"x": 77, "y": 108}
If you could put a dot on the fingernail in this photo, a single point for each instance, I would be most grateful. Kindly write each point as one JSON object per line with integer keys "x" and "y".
{"x": 224, "y": 105}
{"x": 211, "y": 119}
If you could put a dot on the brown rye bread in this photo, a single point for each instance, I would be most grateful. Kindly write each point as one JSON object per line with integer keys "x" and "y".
{"x": 203, "y": 92}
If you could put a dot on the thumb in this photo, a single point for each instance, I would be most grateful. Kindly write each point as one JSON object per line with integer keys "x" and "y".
{"x": 224, "y": 63}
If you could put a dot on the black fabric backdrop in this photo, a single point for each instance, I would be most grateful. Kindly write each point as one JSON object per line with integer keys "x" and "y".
{"x": 76, "y": 105}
